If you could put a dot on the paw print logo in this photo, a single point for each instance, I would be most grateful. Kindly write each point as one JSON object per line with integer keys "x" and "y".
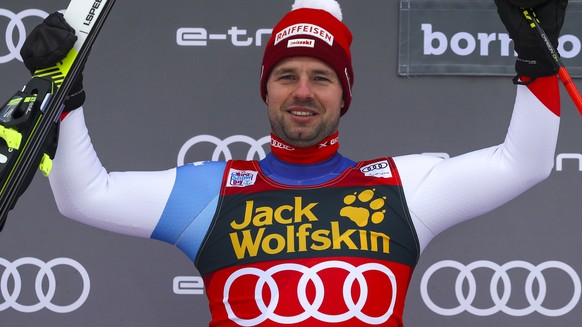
{"x": 363, "y": 207}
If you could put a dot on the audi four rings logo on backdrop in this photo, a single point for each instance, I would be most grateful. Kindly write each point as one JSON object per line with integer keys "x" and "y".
{"x": 13, "y": 281}
{"x": 15, "y": 33}
{"x": 501, "y": 287}
{"x": 222, "y": 146}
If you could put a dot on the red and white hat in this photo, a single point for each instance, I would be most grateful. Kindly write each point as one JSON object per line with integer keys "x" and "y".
{"x": 313, "y": 28}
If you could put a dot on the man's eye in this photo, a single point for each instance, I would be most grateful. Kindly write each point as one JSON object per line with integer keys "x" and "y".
{"x": 321, "y": 79}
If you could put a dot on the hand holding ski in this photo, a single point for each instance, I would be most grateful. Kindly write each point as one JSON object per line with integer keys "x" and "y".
{"x": 31, "y": 116}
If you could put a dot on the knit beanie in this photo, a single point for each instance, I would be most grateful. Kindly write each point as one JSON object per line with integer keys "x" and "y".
{"x": 313, "y": 28}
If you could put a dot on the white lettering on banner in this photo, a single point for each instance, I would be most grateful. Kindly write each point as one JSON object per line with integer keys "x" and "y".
{"x": 568, "y": 156}
{"x": 569, "y": 46}
{"x": 188, "y": 285}
{"x": 199, "y": 37}
{"x": 436, "y": 43}
{"x": 11, "y": 284}
{"x": 535, "y": 288}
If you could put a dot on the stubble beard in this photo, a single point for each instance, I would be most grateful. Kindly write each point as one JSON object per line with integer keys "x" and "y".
{"x": 299, "y": 136}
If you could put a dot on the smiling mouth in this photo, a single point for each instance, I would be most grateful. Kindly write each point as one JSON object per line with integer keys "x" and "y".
{"x": 301, "y": 113}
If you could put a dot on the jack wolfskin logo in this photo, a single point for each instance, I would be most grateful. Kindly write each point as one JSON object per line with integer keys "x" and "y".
{"x": 364, "y": 207}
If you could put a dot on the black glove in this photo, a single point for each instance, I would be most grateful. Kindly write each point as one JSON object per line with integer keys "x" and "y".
{"x": 46, "y": 45}
{"x": 532, "y": 59}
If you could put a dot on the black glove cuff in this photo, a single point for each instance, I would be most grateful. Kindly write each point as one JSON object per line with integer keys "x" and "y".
{"x": 76, "y": 96}
{"x": 534, "y": 62}
{"x": 74, "y": 100}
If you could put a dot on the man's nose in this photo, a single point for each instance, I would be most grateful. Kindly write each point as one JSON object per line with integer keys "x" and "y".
{"x": 304, "y": 89}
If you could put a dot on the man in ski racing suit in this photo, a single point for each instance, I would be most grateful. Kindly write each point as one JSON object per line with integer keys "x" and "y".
{"x": 307, "y": 237}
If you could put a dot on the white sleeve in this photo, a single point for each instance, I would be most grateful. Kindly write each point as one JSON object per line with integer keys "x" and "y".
{"x": 123, "y": 202}
{"x": 443, "y": 192}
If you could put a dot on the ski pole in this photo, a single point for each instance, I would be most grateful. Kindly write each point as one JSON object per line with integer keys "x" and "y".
{"x": 563, "y": 73}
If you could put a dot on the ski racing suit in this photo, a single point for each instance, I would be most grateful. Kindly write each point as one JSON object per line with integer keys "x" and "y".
{"x": 330, "y": 243}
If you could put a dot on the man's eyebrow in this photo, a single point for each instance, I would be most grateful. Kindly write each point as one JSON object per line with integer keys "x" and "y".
{"x": 284, "y": 70}
{"x": 323, "y": 71}
{"x": 318, "y": 71}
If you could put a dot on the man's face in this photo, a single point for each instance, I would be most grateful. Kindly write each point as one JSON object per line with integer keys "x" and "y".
{"x": 304, "y": 100}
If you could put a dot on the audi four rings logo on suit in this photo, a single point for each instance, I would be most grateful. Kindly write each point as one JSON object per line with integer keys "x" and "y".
{"x": 312, "y": 308}
{"x": 45, "y": 284}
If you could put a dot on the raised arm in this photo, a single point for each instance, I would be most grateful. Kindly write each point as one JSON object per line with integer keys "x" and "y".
{"x": 442, "y": 193}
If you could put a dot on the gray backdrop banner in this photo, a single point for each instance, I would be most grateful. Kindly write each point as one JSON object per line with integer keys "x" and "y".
{"x": 170, "y": 82}
{"x": 468, "y": 38}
